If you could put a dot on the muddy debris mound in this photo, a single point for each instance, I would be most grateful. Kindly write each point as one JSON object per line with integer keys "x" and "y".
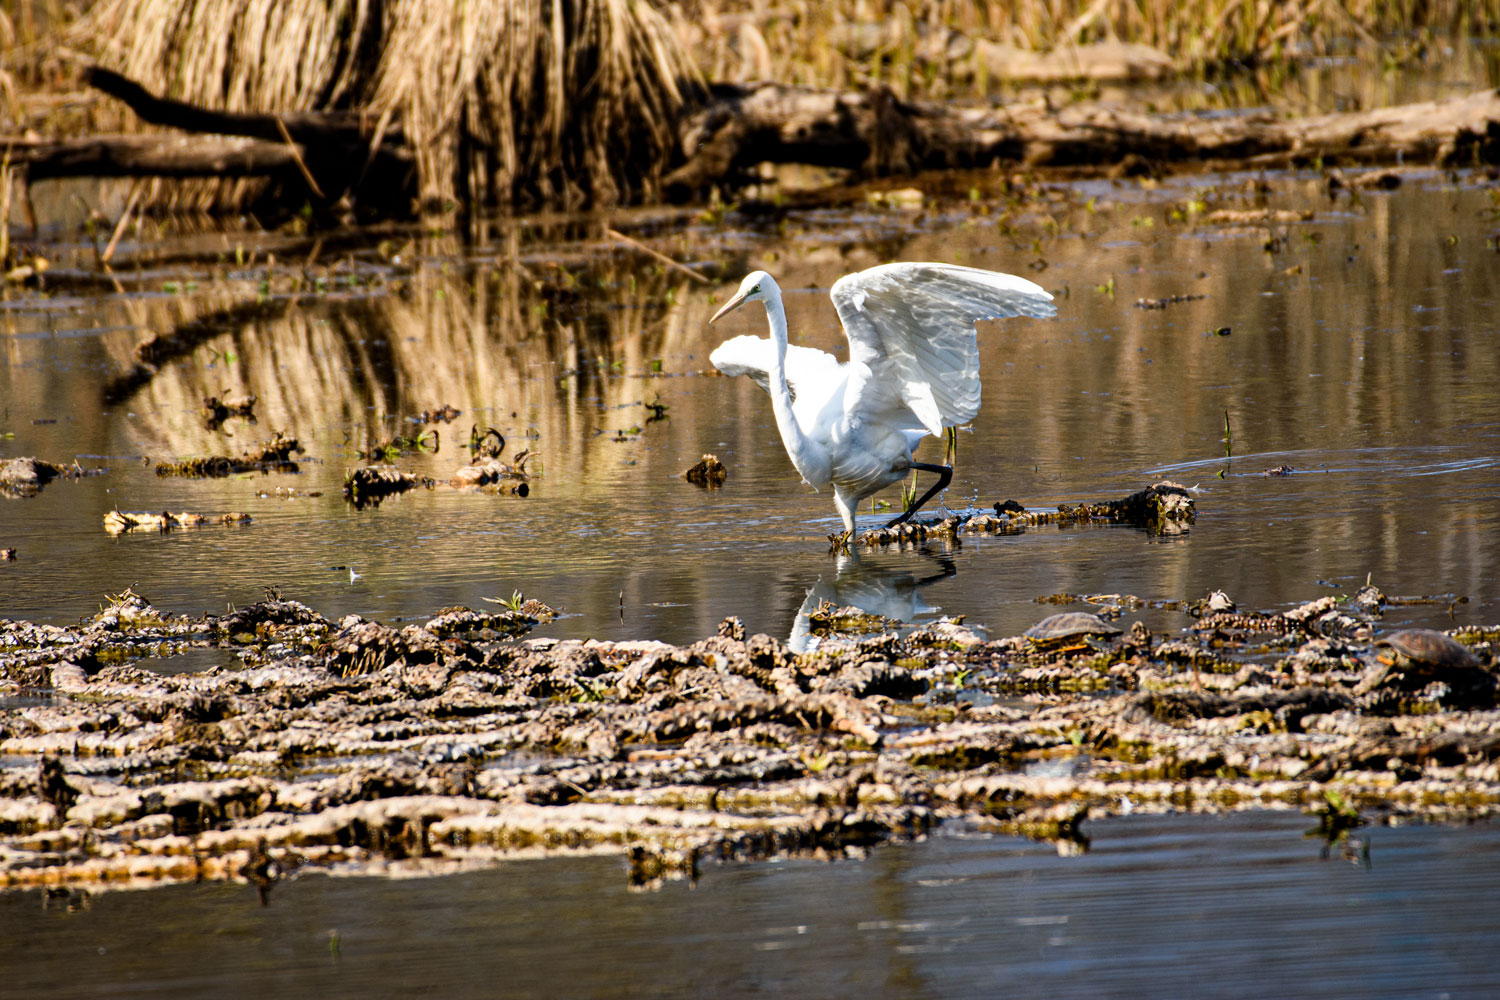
{"x": 272, "y": 455}
{"x": 454, "y": 741}
{"x": 709, "y": 472}
{"x": 367, "y": 485}
{"x": 24, "y": 477}
{"x": 831, "y": 619}
{"x": 21, "y": 477}
{"x": 490, "y": 475}
{"x": 1164, "y": 508}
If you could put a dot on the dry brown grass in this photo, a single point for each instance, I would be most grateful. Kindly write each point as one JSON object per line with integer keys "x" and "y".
{"x": 570, "y": 102}
{"x": 928, "y": 48}
{"x": 556, "y": 102}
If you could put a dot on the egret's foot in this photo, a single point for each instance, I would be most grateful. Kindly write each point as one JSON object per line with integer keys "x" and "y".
{"x": 945, "y": 476}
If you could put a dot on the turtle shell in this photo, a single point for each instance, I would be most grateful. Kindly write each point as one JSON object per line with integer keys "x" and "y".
{"x": 1424, "y": 646}
{"x": 1060, "y": 628}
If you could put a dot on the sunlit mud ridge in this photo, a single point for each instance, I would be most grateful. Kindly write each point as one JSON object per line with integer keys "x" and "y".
{"x": 1164, "y": 508}
{"x": 359, "y": 747}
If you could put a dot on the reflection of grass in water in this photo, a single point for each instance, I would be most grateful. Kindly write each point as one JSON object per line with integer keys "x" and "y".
{"x": 476, "y": 341}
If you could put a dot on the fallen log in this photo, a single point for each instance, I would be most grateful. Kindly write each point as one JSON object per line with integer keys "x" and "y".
{"x": 876, "y": 133}
{"x": 735, "y": 128}
{"x": 321, "y": 128}
{"x": 154, "y": 156}
{"x": 323, "y": 154}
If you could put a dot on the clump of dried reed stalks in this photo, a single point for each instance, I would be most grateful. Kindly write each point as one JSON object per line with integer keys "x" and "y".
{"x": 555, "y": 102}
{"x": 928, "y": 48}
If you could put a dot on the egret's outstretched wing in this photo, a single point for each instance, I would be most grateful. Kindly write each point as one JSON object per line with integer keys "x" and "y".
{"x": 913, "y": 325}
{"x": 808, "y": 370}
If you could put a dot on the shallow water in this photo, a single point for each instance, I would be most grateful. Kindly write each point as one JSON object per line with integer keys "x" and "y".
{"x": 1363, "y": 352}
{"x": 1202, "y": 906}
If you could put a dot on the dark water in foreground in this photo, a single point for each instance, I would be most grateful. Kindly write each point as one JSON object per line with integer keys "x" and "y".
{"x": 1191, "y": 906}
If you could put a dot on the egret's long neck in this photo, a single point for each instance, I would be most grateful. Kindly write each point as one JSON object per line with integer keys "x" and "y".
{"x": 810, "y": 457}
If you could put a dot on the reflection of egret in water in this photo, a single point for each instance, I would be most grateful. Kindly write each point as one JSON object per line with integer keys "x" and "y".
{"x": 875, "y": 585}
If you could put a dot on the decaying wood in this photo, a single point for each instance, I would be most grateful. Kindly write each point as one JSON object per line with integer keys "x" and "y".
{"x": 154, "y": 156}
{"x": 736, "y": 128}
{"x": 878, "y": 134}
{"x": 306, "y": 127}
{"x": 336, "y": 152}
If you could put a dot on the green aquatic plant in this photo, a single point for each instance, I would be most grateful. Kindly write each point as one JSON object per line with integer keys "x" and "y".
{"x": 511, "y": 603}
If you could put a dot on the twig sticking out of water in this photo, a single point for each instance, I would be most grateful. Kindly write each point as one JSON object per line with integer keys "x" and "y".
{"x": 638, "y": 245}
{"x": 5, "y": 211}
{"x": 114, "y": 238}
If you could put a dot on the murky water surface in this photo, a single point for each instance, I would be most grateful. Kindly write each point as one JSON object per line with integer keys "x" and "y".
{"x": 1362, "y": 352}
{"x": 1231, "y": 906}
{"x": 1360, "y": 348}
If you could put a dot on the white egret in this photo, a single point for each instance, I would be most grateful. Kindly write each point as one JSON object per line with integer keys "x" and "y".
{"x": 913, "y": 369}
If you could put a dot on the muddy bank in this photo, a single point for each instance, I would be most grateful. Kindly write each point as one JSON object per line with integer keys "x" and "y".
{"x": 361, "y": 747}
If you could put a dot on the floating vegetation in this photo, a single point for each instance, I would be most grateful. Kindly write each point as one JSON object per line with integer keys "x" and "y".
{"x": 444, "y": 414}
{"x": 273, "y": 455}
{"x": 1170, "y": 300}
{"x": 488, "y": 443}
{"x": 708, "y": 473}
{"x": 119, "y": 521}
{"x": 369, "y": 484}
{"x": 394, "y": 447}
{"x": 287, "y": 493}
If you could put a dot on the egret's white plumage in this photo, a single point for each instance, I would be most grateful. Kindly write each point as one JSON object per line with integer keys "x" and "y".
{"x": 913, "y": 369}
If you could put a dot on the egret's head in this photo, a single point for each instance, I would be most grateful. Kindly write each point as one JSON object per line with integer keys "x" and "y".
{"x": 758, "y": 285}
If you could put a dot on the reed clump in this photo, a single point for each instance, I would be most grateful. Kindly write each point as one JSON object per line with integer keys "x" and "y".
{"x": 540, "y": 102}
{"x": 933, "y": 48}
{"x": 567, "y": 103}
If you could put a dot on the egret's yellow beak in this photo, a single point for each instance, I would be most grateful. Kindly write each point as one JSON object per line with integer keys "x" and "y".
{"x": 730, "y": 306}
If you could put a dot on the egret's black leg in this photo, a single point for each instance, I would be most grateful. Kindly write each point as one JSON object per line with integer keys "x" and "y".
{"x": 945, "y": 476}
